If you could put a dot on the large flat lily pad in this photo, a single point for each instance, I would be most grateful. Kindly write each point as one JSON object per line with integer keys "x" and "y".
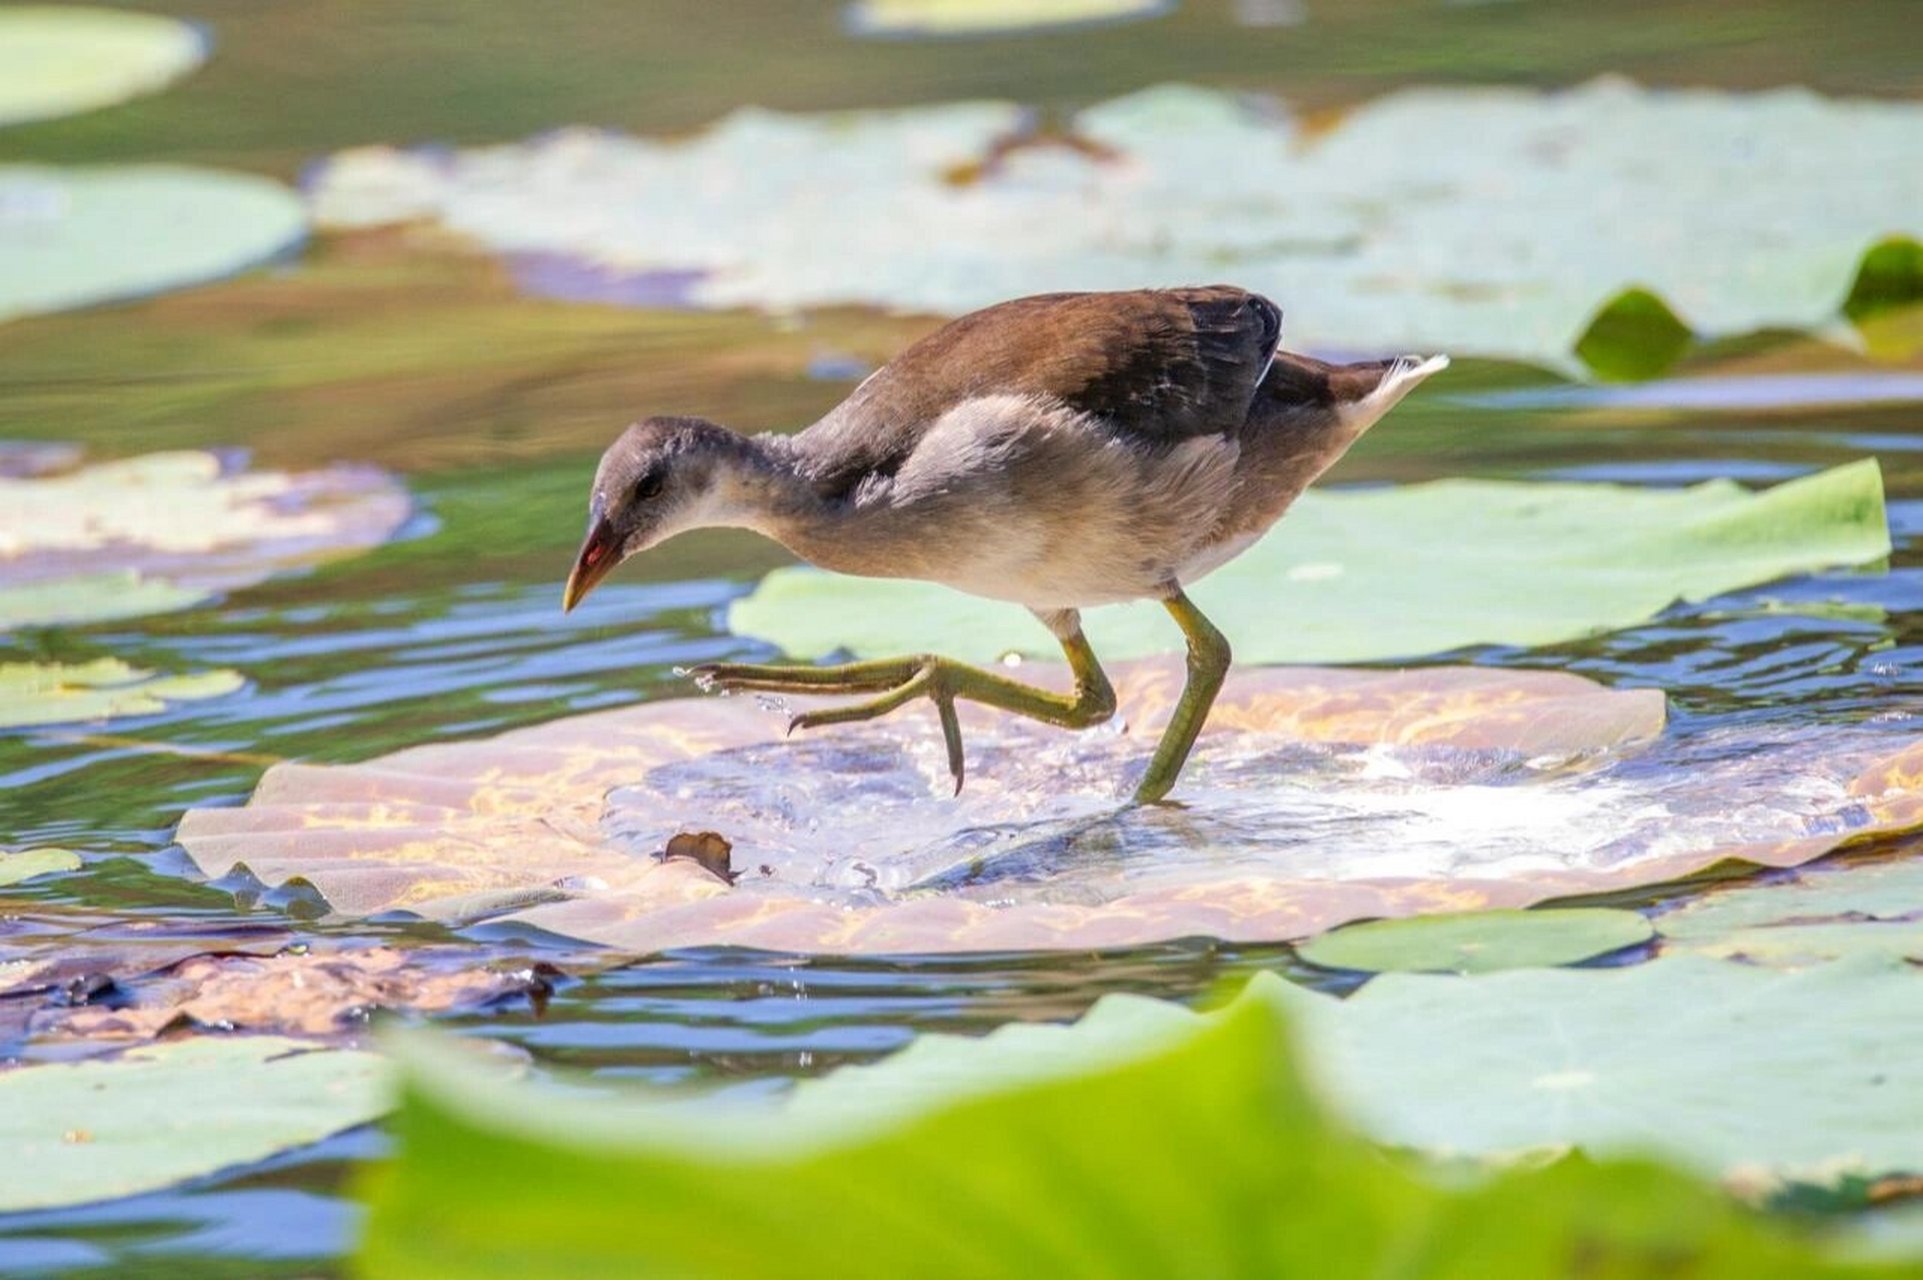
{"x": 163, "y": 1113}
{"x": 1391, "y": 573}
{"x": 1810, "y": 1074}
{"x": 1317, "y": 796}
{"x": 56, "y": 60}
{"x": 79, "y": 237}
{"x": 167, "y": 530}
{"x": 33, "y": 693}
{"x": 1478, "y": 221}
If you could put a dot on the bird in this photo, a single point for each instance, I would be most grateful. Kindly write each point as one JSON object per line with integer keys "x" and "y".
{"x": 1061, "y": 452}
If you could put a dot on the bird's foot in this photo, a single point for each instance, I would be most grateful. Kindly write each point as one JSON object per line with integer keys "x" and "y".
{"x": 897, "y": 681}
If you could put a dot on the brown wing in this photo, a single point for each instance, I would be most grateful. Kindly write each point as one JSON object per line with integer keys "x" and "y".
{"x": 1158, "y": 364}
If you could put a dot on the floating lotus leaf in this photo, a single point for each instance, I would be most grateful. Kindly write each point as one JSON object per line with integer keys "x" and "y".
{"x": 163, "y": 1113}
{"x": 1478, "y": 941}
{"x": 1145, "y": 1141}
{"x": 320, "y": 992}
{"x": 77, "y": 237}
{"x": 1476, "y": 221}
{"x": 1809, "y": 1073}
{"x": 1822, "y": 912}
{"x": 167, "y": 530}
{"x": 908, "y": 19}
{"x": 51, "y": 951}
{"x": 28, "y": 863}
{"x": 1730, "y": 1068}
{"x": 58, "y": 60}
{"x": 55, "y": 693}
{"x": 1390, "y": 573}
{"x": 1317, "y": 797}
{"x": 1889, "y": 279}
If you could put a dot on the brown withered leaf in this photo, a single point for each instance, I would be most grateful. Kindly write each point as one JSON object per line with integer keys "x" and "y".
{"x": 1316, "y": 797}
{"x": 298, "y": 992}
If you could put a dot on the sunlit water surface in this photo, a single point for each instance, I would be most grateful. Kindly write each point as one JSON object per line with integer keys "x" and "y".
{"x": 342, "y": 671}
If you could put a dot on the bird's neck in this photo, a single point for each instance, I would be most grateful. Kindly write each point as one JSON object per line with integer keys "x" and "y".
{"x": 765, "y": 484}
{"x": 759, "y": 484}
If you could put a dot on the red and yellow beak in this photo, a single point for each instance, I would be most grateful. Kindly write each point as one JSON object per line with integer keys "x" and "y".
{"x": 600, "y": 552}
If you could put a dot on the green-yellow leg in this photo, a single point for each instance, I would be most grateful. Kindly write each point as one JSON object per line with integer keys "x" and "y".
{"x": 940, "y": 680}
{"x": 1208, "y": 666}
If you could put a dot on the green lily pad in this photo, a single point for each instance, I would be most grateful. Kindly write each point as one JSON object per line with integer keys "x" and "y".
{"x": 1889, "y": 278}
{"x": 91, "y": 597}
{"x": 1635, "y": 336}
{"x": 59, "y": 60}
{"x": 1794, "y": 945}
{"x": 1819, "y": 913}
{"x": 28, "y": 863}
{"x": 1808, "y": 1073}
{"x": 164, "y": 1113}
{"x": 908, "y": 19}
{"x": 1465, "y": 220}
{"x": 77, "y": 237}
{"x": 55, "y": 693}
{"x": 1478, "y": 941}
{"x": 167, "y": 530}
{"x": 1890, "y": 890}
{"x": 1143, "y": 1141}
{"x": 1393, "y": 573}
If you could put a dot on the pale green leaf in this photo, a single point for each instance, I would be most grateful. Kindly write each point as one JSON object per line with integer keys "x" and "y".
{"x": 1478, "y": 941}
{"x": 1821, "y": 912}
{"x": 163, "y": 1113}
{"x": 1390, "y": 573}
{"x": 1471, "y": 220}
{"x": 57, "y": 60}
{"x": 1143, "y": 1141}
{"x": 55, "y": 693}
{"x": 76, "y": 237}
{"x": 91, "y": 597}
{"x": 1806, "y": 1073}
{"x": 25, "y": 864}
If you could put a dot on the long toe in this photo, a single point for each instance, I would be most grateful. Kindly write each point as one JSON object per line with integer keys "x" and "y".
{"x": 736, "y": 677}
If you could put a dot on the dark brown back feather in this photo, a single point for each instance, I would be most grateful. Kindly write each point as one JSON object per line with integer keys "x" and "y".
{"x": 1157, "y": 365}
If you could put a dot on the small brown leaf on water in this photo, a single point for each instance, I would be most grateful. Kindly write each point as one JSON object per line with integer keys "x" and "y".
{"x": 710, "y": 849}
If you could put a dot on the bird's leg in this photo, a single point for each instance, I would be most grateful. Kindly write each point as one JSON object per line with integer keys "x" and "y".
{"x": 940, "y": 680}
{"x": 1208, "y": 665}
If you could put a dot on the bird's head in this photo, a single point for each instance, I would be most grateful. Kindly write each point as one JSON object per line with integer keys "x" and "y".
{"x": 659, "y": 478}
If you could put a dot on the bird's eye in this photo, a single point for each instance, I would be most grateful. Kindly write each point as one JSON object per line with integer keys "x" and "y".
{"x": 649, "y": 486}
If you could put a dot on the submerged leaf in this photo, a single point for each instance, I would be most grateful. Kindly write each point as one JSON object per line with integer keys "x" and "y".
{"x": 1393, "y": 573}
{"x": 1319, "y": 797}
{"x": 1478, "y": 221}
{"x": 161, "y": 1114}
{"x": 1478, "y": 942}
{"x": 78, "y": 237}
{"x": 1823, "y": 912}
{"x": 36, "y": 693}
{"x": 1143, "y": 1141}
{"x": 59, "y": 60}
{"x": 303, "y": 992}
{"x": 166, "y": 530}
{"x": 28, "y": 863}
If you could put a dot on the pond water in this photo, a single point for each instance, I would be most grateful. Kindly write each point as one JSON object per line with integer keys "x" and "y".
{"x": 375, "y": 347}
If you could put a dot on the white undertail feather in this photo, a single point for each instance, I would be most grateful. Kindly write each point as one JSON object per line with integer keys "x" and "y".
{"x": 1408, "y": 373}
